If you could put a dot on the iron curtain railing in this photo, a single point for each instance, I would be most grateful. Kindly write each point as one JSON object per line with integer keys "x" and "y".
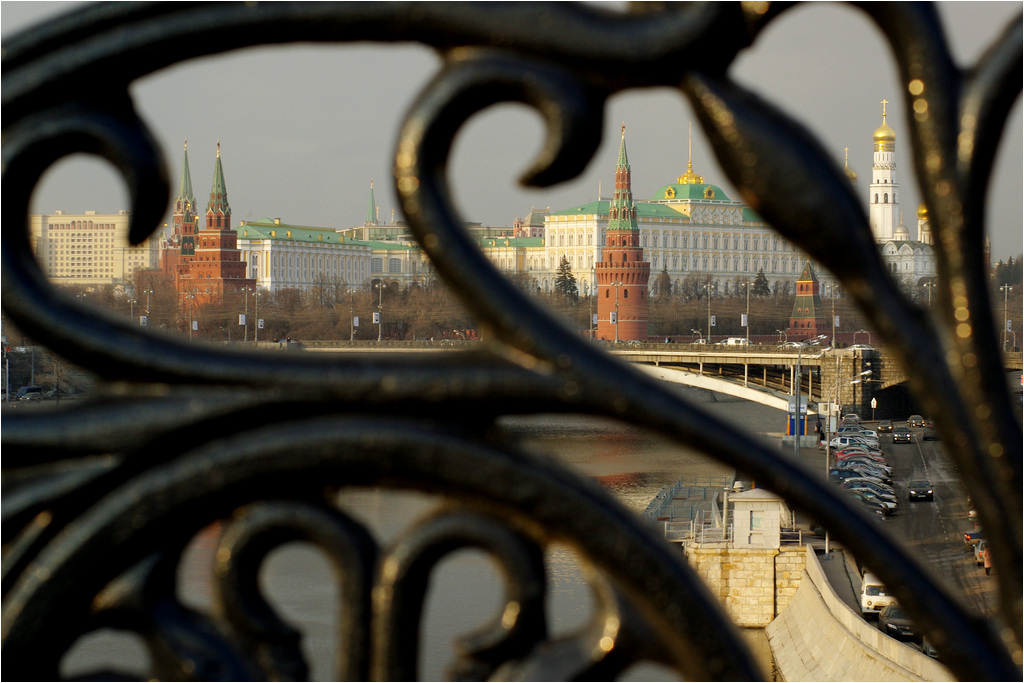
{"x": 101, "y": 497}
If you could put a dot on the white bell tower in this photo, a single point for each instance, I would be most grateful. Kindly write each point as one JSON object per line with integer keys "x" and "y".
{"x": 883, "y": 200}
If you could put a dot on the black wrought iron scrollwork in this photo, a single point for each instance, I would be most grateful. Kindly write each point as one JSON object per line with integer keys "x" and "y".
{"x": 101, "y": 499}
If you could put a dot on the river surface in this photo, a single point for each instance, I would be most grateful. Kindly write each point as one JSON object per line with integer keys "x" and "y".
{"x": 465, "y": 591}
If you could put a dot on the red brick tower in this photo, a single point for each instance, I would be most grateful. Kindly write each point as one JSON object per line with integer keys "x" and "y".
{"x": 623, "y": 274}
{"x": 808, "y": 319}
{"x": 180, "y": 245}
{"x": 217, "y": 267}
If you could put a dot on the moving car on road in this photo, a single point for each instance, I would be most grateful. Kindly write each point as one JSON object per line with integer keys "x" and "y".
{"x": 894, "y": 622}
{"x": 920, "y": 489}
{"x": 901, "y": 435}
{"x": 873, "y": 594}
{"x": 915, "y": 421}
{"x": 884, "y": 426}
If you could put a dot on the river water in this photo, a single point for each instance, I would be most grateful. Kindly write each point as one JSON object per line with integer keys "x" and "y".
{"x": 465, "y": 590}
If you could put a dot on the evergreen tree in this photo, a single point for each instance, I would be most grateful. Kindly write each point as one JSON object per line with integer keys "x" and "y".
{"x": 761, "y": 287}
{"x": 664, "y": 284}
{"x": 565, "y": 281}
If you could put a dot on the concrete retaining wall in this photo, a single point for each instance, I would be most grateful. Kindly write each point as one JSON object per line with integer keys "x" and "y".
{"x": 819, "y": 638}
{"x": 753, "y": 584}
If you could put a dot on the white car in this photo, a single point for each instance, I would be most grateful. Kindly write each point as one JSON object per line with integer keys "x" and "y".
{"x": 856, "y": 430}
{"x": 840, "y": 441}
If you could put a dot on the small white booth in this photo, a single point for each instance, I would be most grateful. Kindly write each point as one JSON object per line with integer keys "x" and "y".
{"x": 758, "y": 517}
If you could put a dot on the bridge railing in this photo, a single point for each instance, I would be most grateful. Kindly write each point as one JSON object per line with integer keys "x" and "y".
{"x": 101, "y": 498}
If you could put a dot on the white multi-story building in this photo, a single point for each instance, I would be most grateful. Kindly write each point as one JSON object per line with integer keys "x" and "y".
{"x": 281, "y": 256}
{"x": 89, "y": 248}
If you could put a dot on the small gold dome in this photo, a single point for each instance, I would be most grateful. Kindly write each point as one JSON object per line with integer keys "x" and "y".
{"x": 851, "y": 174}
{"x": 922, "y": 211}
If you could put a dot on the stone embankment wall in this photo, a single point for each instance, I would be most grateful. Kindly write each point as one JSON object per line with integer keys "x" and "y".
{"x": 818, "y": 637}
{"x": 754, "y": 584}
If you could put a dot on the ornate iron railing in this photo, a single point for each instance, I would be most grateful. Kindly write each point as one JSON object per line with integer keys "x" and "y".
{"x": 100, "y": 499}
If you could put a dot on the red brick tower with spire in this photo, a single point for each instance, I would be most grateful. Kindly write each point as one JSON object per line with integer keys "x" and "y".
{"x": 808, "y": 319}
{"x": 216, "y": 268}
{"x": 179, "y": 248}
{"x": 623, "y": 274}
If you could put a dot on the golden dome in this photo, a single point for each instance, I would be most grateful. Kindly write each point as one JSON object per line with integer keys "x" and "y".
{"x": 922, "y": 211}
{"x": 884, "y": 133}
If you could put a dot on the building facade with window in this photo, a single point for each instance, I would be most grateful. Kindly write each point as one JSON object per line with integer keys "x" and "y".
{"x": 283, "y": 256}
{"x": 89, "y": 248}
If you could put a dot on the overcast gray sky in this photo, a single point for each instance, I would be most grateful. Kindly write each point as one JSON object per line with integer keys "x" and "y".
{"x": 304, "y": 129}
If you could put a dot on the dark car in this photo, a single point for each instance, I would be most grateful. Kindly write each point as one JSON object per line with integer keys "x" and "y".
{"x": 929, "y": 433}
{"x": 915, "y": 421}
{"x": 894, "y": 622}
{"x": 972, "y": 537}
{"x": 920, "y": 489}
{"x": 901, "y": 435}
{"x": 884, "y": 426}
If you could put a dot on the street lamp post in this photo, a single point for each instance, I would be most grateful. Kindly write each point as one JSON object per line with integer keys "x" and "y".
{"x": 796, "y": 392}
{"x": 698, "y": 333}
{"x": 746, "y": 289}
{"x": 256, "y": 330}
{"x": 380, "y": 308}
{"x": 245, "y": 335}
{"x": 707, "y": 288}
{"x": 617, "y": 284}
{"x": 1006, "y": 293}
{"x": 782, "y": 336}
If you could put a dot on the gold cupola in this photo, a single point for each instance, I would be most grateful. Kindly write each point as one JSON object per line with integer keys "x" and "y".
{"x": 884, "y": 135}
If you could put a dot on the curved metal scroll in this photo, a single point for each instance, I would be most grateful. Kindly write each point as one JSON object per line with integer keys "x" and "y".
{"x": 101, "y": 499}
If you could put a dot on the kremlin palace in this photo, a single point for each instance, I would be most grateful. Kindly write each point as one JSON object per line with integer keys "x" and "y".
{"x": 688, "y": 230}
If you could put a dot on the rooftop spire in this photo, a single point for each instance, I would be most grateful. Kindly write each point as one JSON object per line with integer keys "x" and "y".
{"x": 219, "y": 191}
{"x": 185, "y": 193}
{"x": 371, "y": 211}
{"x": 690, "y": 178}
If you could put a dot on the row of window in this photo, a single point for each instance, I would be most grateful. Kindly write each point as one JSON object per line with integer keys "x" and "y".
{"x": 676, "y": 240}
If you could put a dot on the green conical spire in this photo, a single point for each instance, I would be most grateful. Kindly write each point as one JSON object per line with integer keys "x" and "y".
{"x": 623, "y": 160}
{"x": 185, "y": 193}
{"x": 371, "y": 211}
{"x": 219, "y": 192}
{"x": 622, "y": 211}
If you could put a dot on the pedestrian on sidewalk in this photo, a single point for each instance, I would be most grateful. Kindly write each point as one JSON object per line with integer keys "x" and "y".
{"x": 986, "y": 555}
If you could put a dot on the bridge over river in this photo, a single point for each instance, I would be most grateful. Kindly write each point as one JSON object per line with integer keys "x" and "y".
{"x": 763, "y": 374}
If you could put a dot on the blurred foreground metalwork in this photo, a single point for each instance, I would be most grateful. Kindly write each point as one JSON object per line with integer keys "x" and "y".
{"x": 101, "y": 498}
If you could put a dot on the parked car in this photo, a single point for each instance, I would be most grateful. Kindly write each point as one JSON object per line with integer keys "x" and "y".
{"x": 861, "y": 347}
{"x": 856, "y": 430}
{"x": 915, "y": 421}
{"x": 894, "y": 622}
{"x": 851, "y": 418}
{"x": 873, "y": 594}
{"x": 871, "y": 492}
{"x": 901, "y": 435}
{"x": 979, "y": 552}
{"x": 972, "y": 536}
{"x": 841, "y": 441}
{"x": 29, "y": 393}
{"x": 884, "y": 426}
{"x": 920, "y": 489}
{"x": 880, "y": 489}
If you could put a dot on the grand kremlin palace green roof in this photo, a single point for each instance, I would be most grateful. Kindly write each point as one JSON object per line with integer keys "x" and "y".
{"x": 658, "y": 206}
{"x": 268, "y": 229}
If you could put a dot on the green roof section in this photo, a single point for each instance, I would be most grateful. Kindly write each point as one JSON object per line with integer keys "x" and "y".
{"x": 599, "y": 207}
{"x": 692, "y": 192}
{"x": 269, "y": 229}
{"x": 493, "y": 242}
